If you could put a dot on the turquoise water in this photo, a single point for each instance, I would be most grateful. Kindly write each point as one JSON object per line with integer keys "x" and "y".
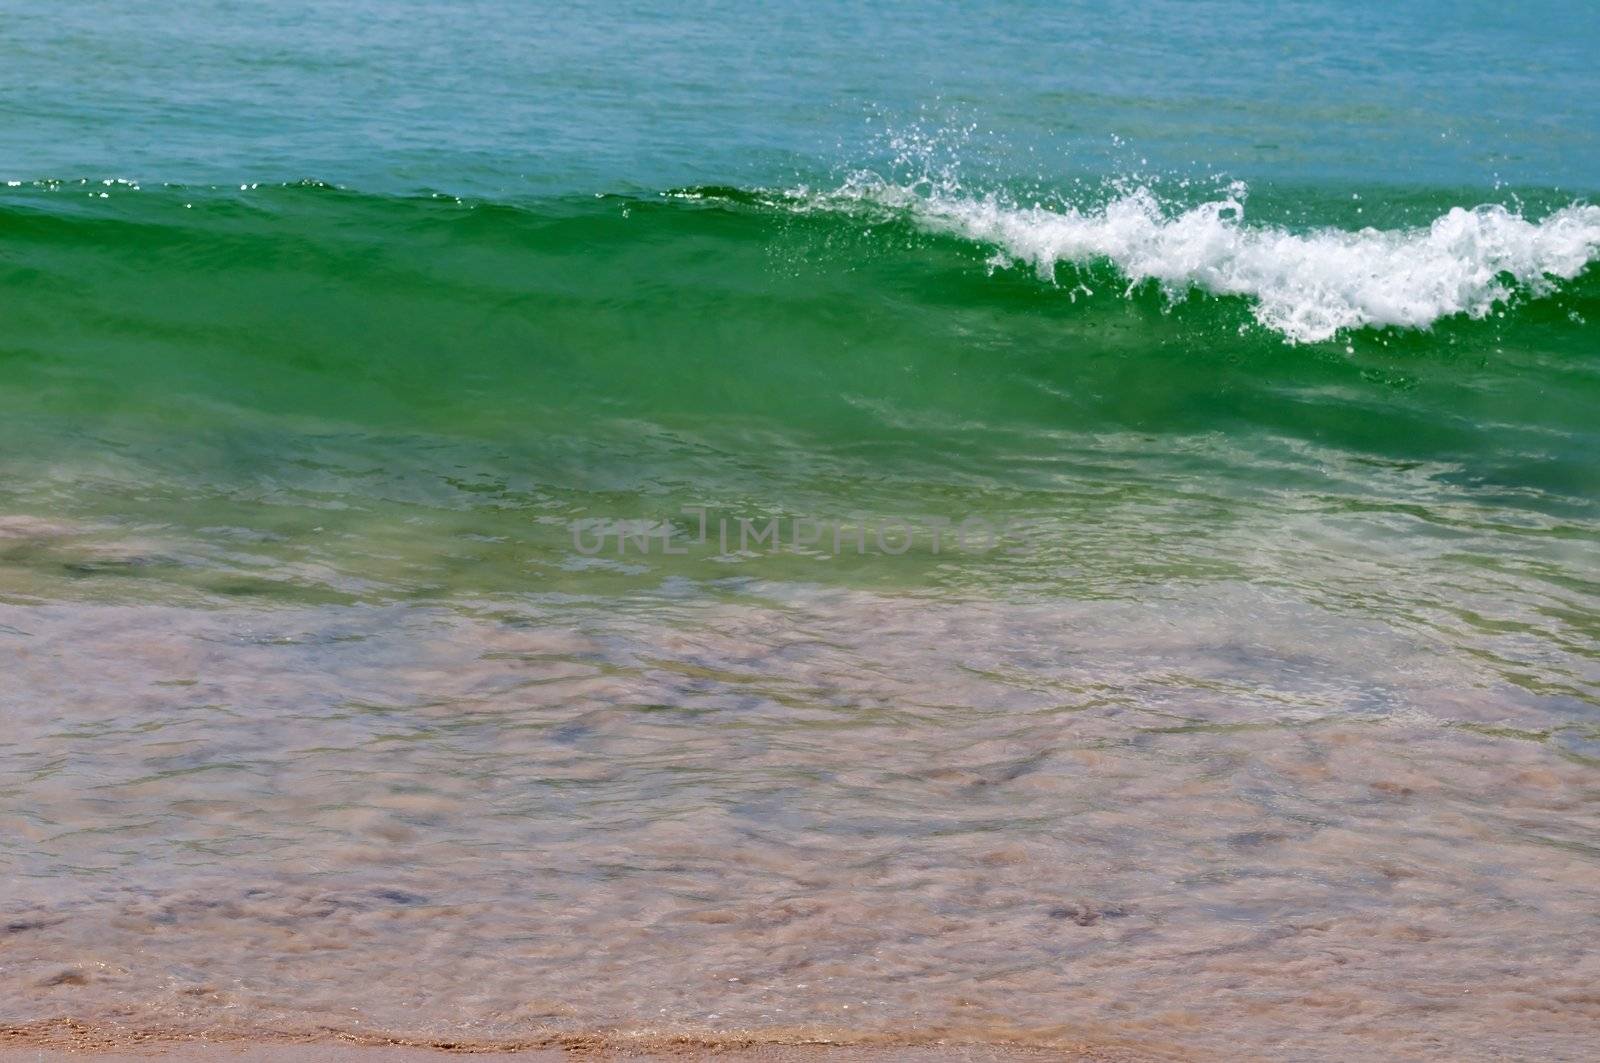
{"x": 507, "y": 100}
{"x": 870, "y": 521}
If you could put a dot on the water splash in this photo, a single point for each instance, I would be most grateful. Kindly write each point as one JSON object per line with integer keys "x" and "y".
{"x": 1307, "y": 286}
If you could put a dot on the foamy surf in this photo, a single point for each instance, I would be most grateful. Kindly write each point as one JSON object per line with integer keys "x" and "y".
{"x": 1307, "y": 286}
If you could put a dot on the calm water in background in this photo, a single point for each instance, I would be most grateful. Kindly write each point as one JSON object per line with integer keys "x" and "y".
{"x": 1269, "y": 333}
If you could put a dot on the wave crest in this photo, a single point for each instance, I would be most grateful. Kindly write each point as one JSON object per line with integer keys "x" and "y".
{"x": 1307, "y": 286}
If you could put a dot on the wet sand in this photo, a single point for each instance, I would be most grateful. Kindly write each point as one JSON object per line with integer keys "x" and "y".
{"x": 325, "y": 1053}
{"x": 333, "y": 1053}
{"x": 69, "y": 1040}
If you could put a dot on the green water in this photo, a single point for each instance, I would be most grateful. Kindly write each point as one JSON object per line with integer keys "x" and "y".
{"x": 451, "y": 291}
{"x": 311, "y": 394}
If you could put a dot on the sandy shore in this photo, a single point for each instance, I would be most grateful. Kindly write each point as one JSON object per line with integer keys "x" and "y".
{"x": 339, "y": 1053}
{"x": 67, "y": 1039}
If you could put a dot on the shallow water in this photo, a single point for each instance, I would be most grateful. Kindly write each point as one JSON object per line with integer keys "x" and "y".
{"x": 962, "y": 546}
{"x": 1205, "y": 813}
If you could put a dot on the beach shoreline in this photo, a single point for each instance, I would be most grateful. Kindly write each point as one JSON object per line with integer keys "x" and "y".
{"x": 67, "y": 1038}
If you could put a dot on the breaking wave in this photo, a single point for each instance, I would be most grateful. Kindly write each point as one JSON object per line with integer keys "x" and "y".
{"x": 1308, "y": 286}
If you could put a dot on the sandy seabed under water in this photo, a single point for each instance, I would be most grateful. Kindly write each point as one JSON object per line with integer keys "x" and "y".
{"x": 1215, "y": 824}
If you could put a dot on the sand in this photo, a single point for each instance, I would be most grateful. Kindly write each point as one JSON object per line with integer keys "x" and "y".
{"x": 66, "y": 1039}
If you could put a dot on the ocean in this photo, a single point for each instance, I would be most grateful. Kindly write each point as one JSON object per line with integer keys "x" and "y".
{"x": 1027, "y": 524}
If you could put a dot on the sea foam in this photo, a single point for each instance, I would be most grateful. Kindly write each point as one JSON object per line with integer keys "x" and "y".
{"x": 1308, "y": 286}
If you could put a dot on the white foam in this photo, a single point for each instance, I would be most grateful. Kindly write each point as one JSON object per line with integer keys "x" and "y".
{"x": 1307, "y": 286}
